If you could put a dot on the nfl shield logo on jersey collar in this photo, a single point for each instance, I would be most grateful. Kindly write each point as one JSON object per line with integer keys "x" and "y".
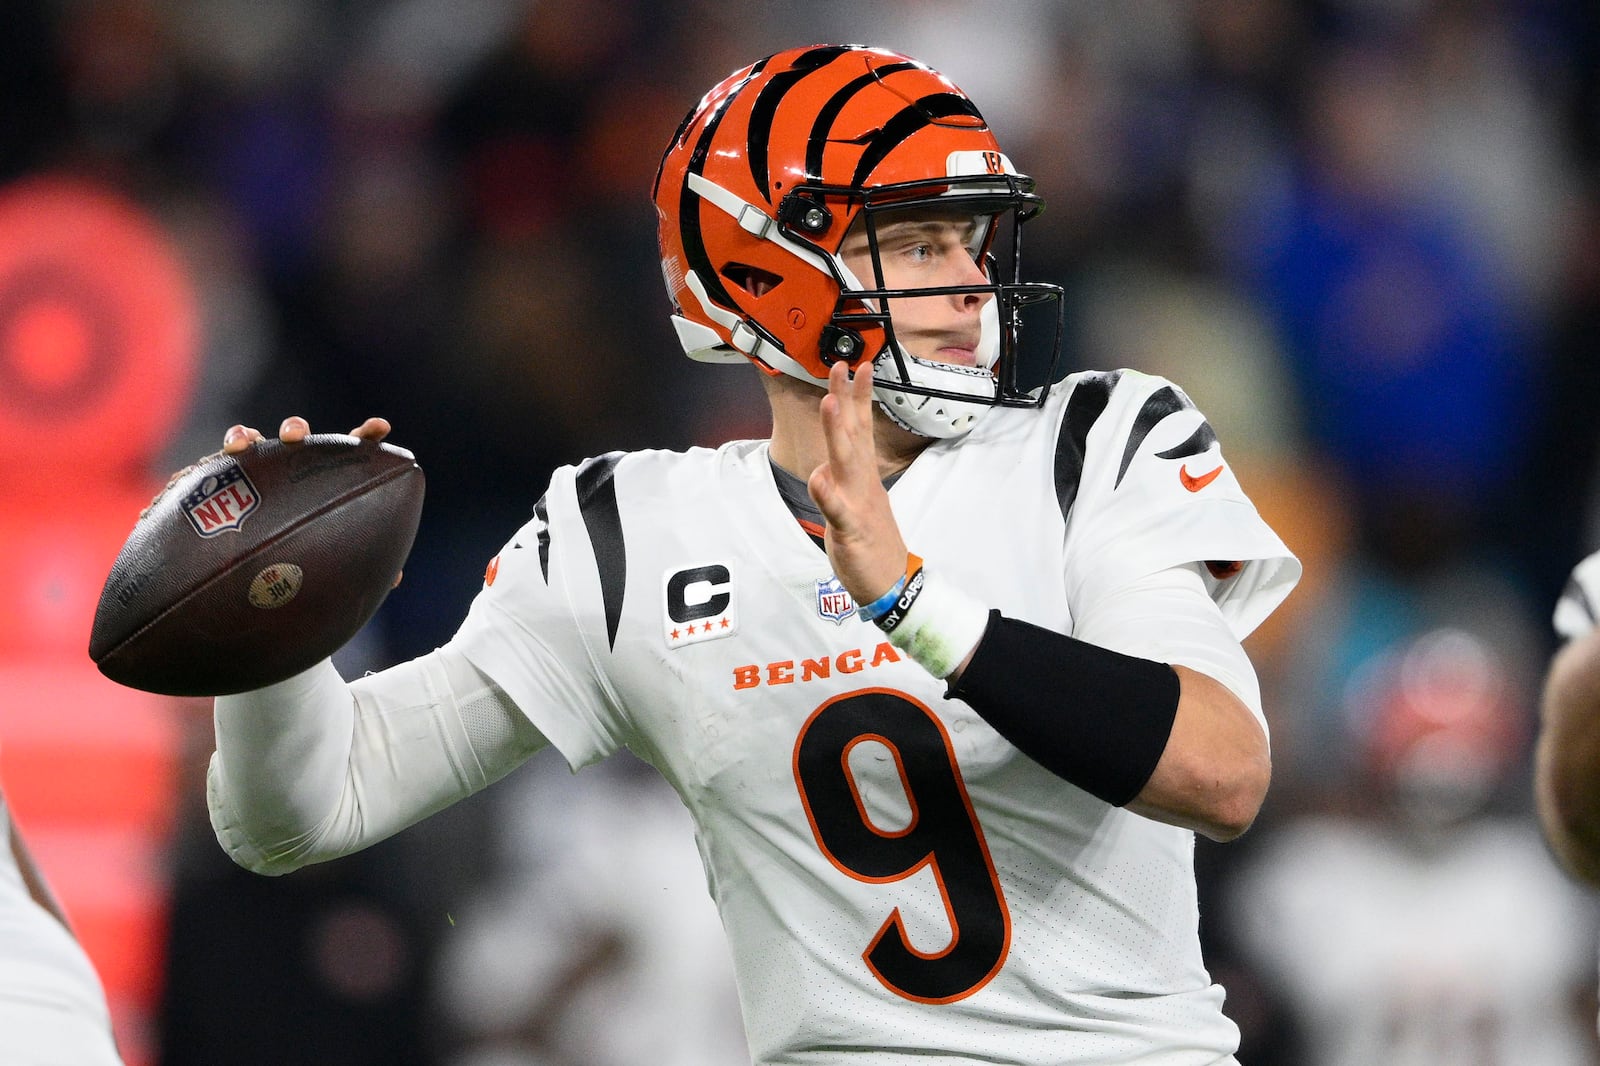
{"x": 698, "y": 604}
{"x": 833, "y": 602}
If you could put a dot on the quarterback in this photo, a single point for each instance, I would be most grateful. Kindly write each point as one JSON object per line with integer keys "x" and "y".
{"x": 947, "y": 670}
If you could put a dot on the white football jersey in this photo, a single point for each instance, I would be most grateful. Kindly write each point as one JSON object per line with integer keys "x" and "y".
{"x": 52, "y": 1006}
{"x": 892, "y": 874}
{"x": 1471, "y": 948}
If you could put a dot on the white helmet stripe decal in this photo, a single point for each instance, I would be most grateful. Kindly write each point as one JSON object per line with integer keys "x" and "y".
{"x": 755, "y": 220}
{"x": 744, "y": 338}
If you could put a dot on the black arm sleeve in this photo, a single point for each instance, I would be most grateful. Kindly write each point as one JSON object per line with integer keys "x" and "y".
{"x": 1097, "y": 718}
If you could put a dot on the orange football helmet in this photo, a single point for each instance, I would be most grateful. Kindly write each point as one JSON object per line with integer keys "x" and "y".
{"x": 772, "y": 168}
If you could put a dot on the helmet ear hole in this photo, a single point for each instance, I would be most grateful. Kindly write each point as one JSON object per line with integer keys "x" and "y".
{"x": 752, "y": 279}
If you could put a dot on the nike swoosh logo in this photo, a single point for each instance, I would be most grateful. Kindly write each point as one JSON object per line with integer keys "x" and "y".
{"x": 1195, "y": 484}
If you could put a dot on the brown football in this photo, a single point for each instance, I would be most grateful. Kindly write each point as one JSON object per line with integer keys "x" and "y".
{"x": 251, "y": 568}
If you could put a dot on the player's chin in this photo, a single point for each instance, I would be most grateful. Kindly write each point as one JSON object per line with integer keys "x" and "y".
{"x": 953, "y": 356}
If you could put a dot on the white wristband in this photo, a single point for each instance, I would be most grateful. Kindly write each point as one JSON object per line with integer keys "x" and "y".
{"x": 942, "y": 626}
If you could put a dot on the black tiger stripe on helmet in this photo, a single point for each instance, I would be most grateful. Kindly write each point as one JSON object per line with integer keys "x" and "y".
{"x": 688, "y": 209}
{"x": 765, "y": 109}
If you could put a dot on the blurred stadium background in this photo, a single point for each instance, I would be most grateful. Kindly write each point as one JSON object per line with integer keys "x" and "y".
{"x": 1364, "y": 235}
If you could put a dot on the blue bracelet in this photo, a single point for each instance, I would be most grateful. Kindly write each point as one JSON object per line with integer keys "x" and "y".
{"x": 875, "y": 610}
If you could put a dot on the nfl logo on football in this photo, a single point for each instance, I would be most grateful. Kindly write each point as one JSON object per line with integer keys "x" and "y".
{"x": 221, "y": 502}
{"x": 833, "y": 602}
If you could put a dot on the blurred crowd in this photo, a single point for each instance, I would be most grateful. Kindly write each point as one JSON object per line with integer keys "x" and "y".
{"x": 1363, "y": 235}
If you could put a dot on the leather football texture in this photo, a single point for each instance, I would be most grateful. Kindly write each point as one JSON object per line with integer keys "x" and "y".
{"x": 251, "y": 568}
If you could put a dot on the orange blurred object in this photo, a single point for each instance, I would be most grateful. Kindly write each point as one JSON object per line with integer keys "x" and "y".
{"x": 98, "y": 335}
{"x": 98, "y": 360}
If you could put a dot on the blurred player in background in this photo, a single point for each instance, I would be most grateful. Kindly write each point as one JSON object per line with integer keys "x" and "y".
{"x": 1567, "y": 760}
{"x": 1420, "y": 922}
{"x": 52, "y": 1006}
{"x": 599, "y": 914}
{"x": 947, "y": 672}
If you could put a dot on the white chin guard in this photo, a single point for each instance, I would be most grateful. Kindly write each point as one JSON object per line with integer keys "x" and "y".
{"x": 935, "y": 416}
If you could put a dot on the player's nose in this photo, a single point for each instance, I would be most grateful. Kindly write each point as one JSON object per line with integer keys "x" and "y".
{"x": 972, "y": 274}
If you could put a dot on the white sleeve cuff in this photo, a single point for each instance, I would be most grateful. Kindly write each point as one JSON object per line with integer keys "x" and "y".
{"x": 942, "y": 626}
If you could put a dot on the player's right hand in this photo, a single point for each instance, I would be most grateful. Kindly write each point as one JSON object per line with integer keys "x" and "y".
{"x": 863, "y": 539}
{"x": 294, "y": 430}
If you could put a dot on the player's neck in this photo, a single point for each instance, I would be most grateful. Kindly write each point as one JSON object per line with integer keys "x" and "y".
{"x": 797, "y": 441}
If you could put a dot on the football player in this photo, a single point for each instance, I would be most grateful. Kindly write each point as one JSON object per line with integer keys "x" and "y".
{"x": 1567, "y": 757}
{"x": 1419, "y": 922}
{"x": 52, "y": 1005}
{"x": 947, "y": 671}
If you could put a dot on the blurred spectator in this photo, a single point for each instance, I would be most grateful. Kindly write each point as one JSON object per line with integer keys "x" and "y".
{"x": 1409, "y": 349}
{"x": 1560, "y": 512}
{"x": 33, "y": 99}
{"x": 1422, "y": 924}
{"x": 597, "y": 943}
{"x": 330, "y": 967}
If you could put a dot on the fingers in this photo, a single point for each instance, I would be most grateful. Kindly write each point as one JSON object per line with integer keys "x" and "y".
{"x": 847, "y": 422}
{"x": 852, "y": 390}
{"x": 372, "y": 429}
{"x": 294, "y": 430}
{"x": 847, "y": 485}
{"x": 837, "y": 403}
{"x": 858, "y": 388}
{"x": 861, "y": 388}
{"x": 826, "y": 480}
{"x": 238, "y": 438}
{"x": 863, "y": 538}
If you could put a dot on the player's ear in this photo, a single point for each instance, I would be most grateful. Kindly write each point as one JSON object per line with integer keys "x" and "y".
{"x": 752, "y": 279}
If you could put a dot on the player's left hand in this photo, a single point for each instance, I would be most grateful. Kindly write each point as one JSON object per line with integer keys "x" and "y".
{"x": 863, "y": 539}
